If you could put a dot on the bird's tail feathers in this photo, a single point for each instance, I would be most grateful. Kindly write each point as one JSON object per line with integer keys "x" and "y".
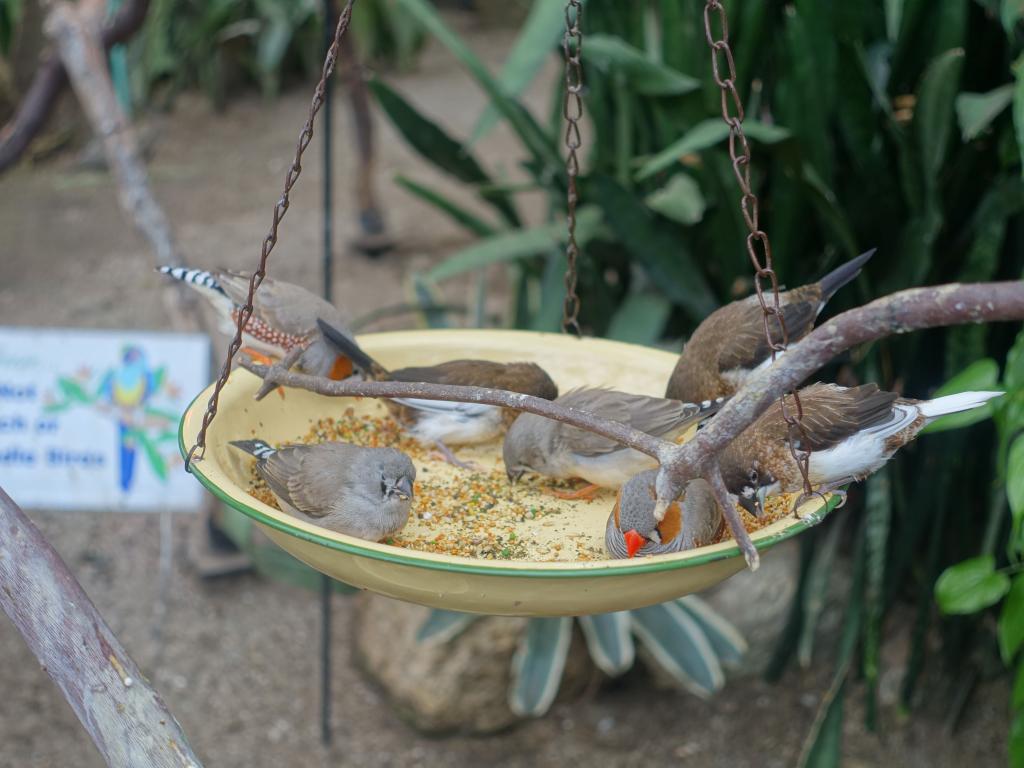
{"x": 352, "y": 351}
{"x": 843, "y": 274}
{"x": 962, "y": 401}
{"x": 257, "y": 448}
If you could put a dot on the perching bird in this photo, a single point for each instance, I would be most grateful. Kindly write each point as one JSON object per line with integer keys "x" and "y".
{"x": 694, "y": 520}
{"x": 851, "y": 432}
{"x": 127, "y": 388}
{"x": 444, "y": 423}
{"x": 730, "y": 344}
{"x": 561, "y": 451}
{"x": 284, "y": 315}
{"x": 361, "y": 492}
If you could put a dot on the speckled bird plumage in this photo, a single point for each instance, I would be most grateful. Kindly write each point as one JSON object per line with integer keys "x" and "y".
{"x": 694, "y": 520}
{"x": 851, "y": 432}
{"x": 559, "y": 450}
{"x": 437, "y": 421}
{"x": 284, "y": 315}
{"x": 730, "y": 344}
{"x": 358, "y": 491}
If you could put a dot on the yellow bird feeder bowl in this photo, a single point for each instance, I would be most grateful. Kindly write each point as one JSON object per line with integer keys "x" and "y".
{"x": 560, "y": 570}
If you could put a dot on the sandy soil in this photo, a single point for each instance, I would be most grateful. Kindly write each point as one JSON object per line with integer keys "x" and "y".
{"x": 237, "y": 659}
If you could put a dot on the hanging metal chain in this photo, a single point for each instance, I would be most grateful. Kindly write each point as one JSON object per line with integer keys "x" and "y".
{"x": 759, "y": 249}
{"x": 280, "y": 209}
{"x": 572, "y": 110}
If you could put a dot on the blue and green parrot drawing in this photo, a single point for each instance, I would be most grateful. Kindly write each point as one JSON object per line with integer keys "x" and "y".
{"x": 128, "y": 388}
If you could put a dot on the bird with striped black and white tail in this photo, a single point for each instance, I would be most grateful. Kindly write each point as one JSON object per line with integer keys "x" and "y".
{"x": 850, "y": 431}
{"x": 284, "y": 315}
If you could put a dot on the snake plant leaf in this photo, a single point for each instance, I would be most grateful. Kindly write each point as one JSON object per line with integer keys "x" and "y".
{"x": 824, "y": 744}
{"x": 876, "y": 540}
{"x": 465, "y": 219}
{"x": 426, "y": 299}
{"x": 1018, "y": 104}
{"x": 538, "y": 664}
{"x": 705, "y": 134}
{"x": 548, "y": 316}
{"x": 510, "y": 246}
{"x": 815, "y": 592}
{"x": 644, "y": 74}
{"x": 640, "y": 319}
{"x": 971, "y": 585}
{"x": 443, "y": 626}
{"x": 1010, "y": 14}
{"x": 893, "y": 19}
{"x": 1015, "y": 482}
{"x": 539, "y": 144}
{"x": 680, "y": 646}
{"x": 539, "y": 36}
{"x": 437, "y": 147}
{"x": 609, "y": 641}
{"x": 933, "y": 115}
{"x": 1011, "y": 621}
{"x": 679, "y": 200}
{"x": 975, "y": 112}
{"x": 655, "y": 244}
{"x": 724, "y": 638}
{"x": 980, "y": 375}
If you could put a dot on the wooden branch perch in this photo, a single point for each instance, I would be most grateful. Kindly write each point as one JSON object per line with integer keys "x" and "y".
{"x": 126, "y": 719}
{"x": 901, "y": 312}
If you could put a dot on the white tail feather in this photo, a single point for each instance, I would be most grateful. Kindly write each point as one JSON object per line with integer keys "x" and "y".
{"x": 962, "y": 401}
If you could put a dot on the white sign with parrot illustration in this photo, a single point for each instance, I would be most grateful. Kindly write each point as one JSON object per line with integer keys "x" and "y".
{"x": 89, "y": 419}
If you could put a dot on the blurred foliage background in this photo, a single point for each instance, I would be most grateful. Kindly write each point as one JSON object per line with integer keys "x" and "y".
{"x": 894, "y": 124}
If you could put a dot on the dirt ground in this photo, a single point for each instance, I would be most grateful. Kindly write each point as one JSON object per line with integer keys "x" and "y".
{"x": 237, "y": 662}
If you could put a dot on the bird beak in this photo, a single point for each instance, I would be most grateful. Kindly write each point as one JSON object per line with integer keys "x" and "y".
{"x": 751, "y": 504}
{"x": 404, "y": 488}
{"x": 514, "y": 475}
{"x": 634, "y": 542}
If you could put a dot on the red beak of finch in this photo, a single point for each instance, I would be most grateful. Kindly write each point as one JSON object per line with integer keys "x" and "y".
{"x": 634, "y": 541}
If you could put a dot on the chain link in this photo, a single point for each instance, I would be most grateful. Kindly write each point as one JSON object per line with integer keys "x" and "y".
{"x": 723, "y": 69}
{"x": 280, "y": 209}
{"x": 572, "y": 111}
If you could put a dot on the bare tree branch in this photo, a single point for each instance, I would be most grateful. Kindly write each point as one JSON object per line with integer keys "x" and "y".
{"x": 126, "y": 719}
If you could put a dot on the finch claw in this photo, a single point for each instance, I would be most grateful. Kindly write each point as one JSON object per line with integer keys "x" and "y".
{"x": 585, "y": 493}
{"x": 446, "y": 454}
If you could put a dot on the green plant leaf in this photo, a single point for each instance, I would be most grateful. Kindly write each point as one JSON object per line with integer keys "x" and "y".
{"x": 816, "y": 583}
{"x": 980, "y": 375}
{"x": 976, "y": 111}
{"x": 509, "y": 246}
{"x": 640, "y": 319}
{"x": 437, "y": 147}
{"x": 540, "y": 145}
{"x": 1016, "y": 741}
{"x": 893, "y": 18}
{"x": 1011, "y": 620}
{"x": 548, "y": 316}
{"x": 465, "y": 219}
{"x": 680, "y": 647}
{"x": 1018, "y": 105}
{"x": 1015, "y": 479}
{"x": 823, "y": 748}
{"x": 538, "y": 37}
{"x": 725, "y": 639}
{"x": 655, "y": 244}
{"x": 970, "y": 586}
{"x": 1018, "y": 686}
{"x": 444, "y": 626}
{"x": 424, "y": 296}
{"x": 538, "y": 664}
{"x": 609, "y": 641}
{"x": 1014, "y": 373}
{"x": 1010, "y": 14}
{"x": 933, "y": 116}
{"x": 707, "y": 134}
{"x": 679, "y": 200}
{"x": 644, "y": 74}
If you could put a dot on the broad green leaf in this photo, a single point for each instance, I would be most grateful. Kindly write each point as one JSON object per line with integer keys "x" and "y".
{"x": 509, "y": 246}
{"x": 645, "y": 75}
{"x": 1014, "y": 374}
{"x": 538, "y": 665}
{"x": 539, "y": 144}
{"x": 1010, "y": 14}
{"x": 1011, "y": 620}
{"x": 609, "y": 641}
{"x": 453, "y": 210}
{"x": 933, "y": 116}
{"x": 893, "y": 18}
{"x": 1018, "y": 686}
{"x": 640, "y": 319}
{"x": 680, "y": 647}
{"x": 548, "y": 316}
{"x": 970, "y": 586}
{"x": 725, "y": 639}
{"x": 437, "y": 147}
{"x": 976, "y": 111}
{"x": 1018, "y": 104}
{"x": 538, "y": 38}
{"x": 655, "y": 244}
{"x": 1016, "y": 741}
{"x": 443, "y": 626}
{"x": 980, "y": 375}
{"x": 680, "y": 200}
{"x": 707, "y": 134}
{"x": 830, "y": 211}
{"x": 1015, "y": 478}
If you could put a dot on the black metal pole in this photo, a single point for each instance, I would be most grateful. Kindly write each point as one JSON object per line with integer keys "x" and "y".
{"x": 328, "y": 254}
